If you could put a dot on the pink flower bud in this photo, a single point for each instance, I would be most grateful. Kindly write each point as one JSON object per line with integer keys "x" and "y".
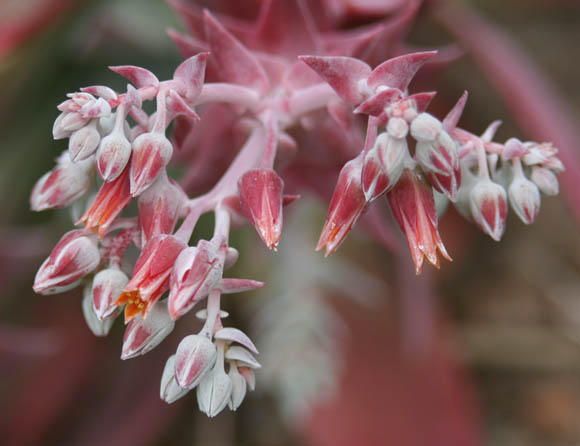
{"x": 151, "y": 275}
{"x": 488, "y": 205}
{"x": 106, "y": 289}
{"x": 151, "y": 153}
{"x": 62, "y": 186}
{"x": 346, "y": 206}
{"x": 513, "y": 148}
{"x": 425, "y": 127}
{"x": 111, "y": 199}
{"x": 84, "y": 142}
{"x": 195, "y": 356}
{"x": 213, "y": 392}
{"x": 99, "y": 327}
{"x": 58, "y": 131}
{"x": 440, "y": 162}
{"x": 546, "y": 180}
{"x": 159, "y": 208}
{"x": 524, "y": 198}
{"x": 413, "y": 206}
{"x": 73, "y": 257}
{"x": 261, "y": 197}
{"x": 383, "y": 164}
{"x": 239, "y": 386}
{"x": 95, "y": 109}
{"x": 113, "y": 155}
{"x": 143, "y": 334}
{"x": 170, "y": 390}
{"x": 196, "y": 272}
{"x": 71, "y": 122}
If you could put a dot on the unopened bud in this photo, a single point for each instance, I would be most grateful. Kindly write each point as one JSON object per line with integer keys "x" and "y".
{"x": 425, "y": 127}
{"x": 151, "y": 153}
{"x": 488, "y": 205}
{"x": 524, "y": 198}
{"x": 84, "y": 142}
{"x": 62, "y": 186}
{"x": 73, "y": 257}
{"x": 546, "y": 180}
{"x": 239, "y": 386}
{"x": 195, "y": 356}
{"x": 213, "y": 393}
{"x": 107, "y": 287}
{"x": 440, "y": 162}
{"x": 113, "y": 155}
{"x": 170, "y": 390}
{"x": 144, "y": 334}
{"x": 98, "y": 326}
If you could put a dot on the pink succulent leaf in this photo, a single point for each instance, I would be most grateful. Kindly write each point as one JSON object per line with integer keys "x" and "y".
{"x": 452, "y": 119}
{"x": 234, "y": 335}
{"x": 132, "y": 98}
{"x": 343, "y": 74}
{"x": 101, "y": 91}
{"x": 376, "y": 104}
{"x": 342, "y": 115}
{"x": 422, "y": 100}
{"x": 261, "y": 198}
{"x": 231, "y": 286}
{"x": 177, "y": 106}
{"x": 284, "y": 27}
{"x": 190, "y": 75}
{"x": 234, "y": 62}
{"x": 140, "y": 77}
{"x": 398, "y": 71}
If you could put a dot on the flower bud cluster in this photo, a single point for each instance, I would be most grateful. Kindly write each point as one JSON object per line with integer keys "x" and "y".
{"x": 118, "y": 152}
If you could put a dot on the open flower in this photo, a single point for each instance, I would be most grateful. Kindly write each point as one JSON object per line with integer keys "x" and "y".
{"x": 151, "y": 275}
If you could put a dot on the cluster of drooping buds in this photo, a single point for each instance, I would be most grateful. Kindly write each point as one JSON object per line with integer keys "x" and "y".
{"x": 408, "y": 156}
{"x": 440, "y": 161}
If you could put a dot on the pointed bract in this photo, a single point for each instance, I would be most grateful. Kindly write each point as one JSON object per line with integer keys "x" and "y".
{"x": 343, "y": 74}
{"x": 191, "y": 74}
{"x": 140, "y": 77}
{"x": 398, "y": 71}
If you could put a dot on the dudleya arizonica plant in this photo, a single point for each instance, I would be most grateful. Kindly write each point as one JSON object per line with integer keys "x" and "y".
{"x": 304, "y": 100}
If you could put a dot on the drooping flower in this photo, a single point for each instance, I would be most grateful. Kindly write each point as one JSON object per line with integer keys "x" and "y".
{"x": 151, "y": 275}
{"x": 73, "y": 257}
{"x": 261, "y": 198}
{"x": 111, "y": 199}
{"x": 348, "y": 203}
{"x": 413, "y": 206}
